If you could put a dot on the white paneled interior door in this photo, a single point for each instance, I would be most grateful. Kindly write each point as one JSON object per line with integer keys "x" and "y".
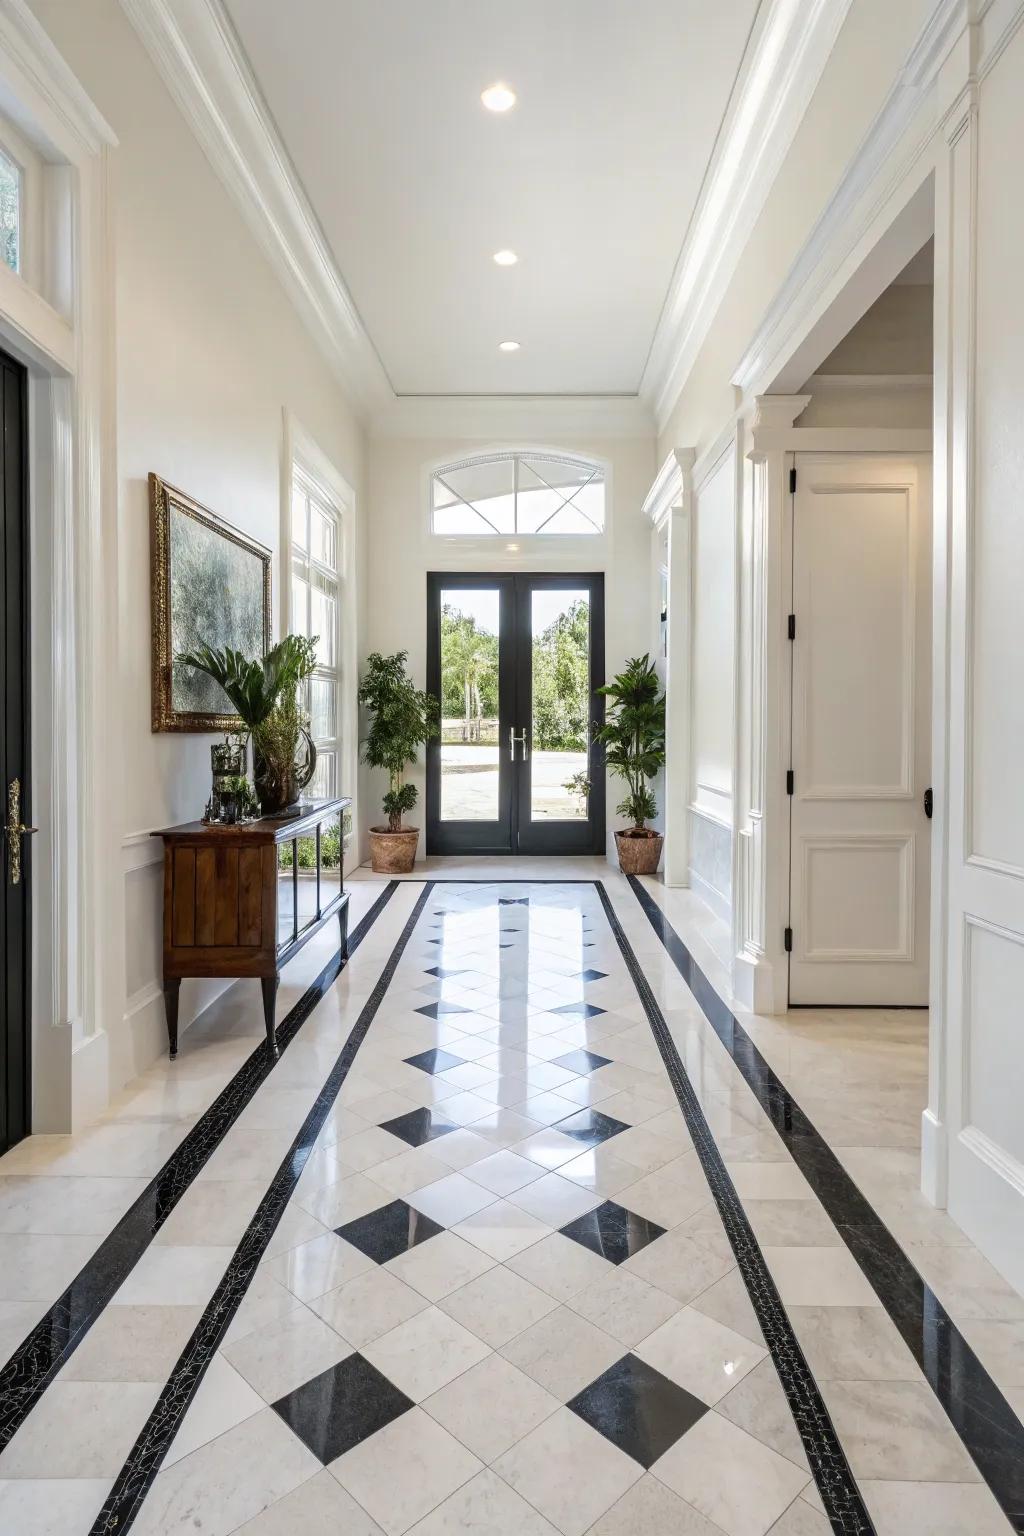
{"x": 861, "y": 686}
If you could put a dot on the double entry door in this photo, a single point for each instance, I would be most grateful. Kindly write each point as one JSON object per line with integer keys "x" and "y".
{"x": 516, "y": 661}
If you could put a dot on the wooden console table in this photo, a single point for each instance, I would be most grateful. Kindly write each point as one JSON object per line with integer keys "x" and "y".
{"x": 241, "y": 901}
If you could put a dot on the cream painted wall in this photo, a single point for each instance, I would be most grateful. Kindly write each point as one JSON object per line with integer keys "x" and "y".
{"x": 209, "y": 354}
{"x": 402, "y": 551}
{"x": 712, "y": 687}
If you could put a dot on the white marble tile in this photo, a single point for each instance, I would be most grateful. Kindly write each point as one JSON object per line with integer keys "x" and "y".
{"x": 896, "y": 1430}
{"x": 425, "y": 1352}
{"x": 920, "y": 1508}
{"x": 819, "y": 1277}
{"x": 624, "y": 1306}
{"x": 224, "y": 1399}
{"x": 80, "y": 1429}
{"x": 170, "y": 1276}
{"x": 277, "y": 1359}
{"x": 491, "y": 1407}
{"x": 133, "y": 1343}
{"x": 502, "y": 1230}
{"x": 729, "y": 1477}
{"x": 51, "y": 1507}
{"x": 451, "y": 1199}
{"x": 536, "y": 1469}
{"x": 207, "y": 1491}
{"x": 554, "y": 1200}
{"x": 504, "y": 1172}
{"x": 769, "y": 1181}
{"x": 371, "y": 1304}
{"x": 321, "y": 1265}
{"x": 498, "y": 1305}
{"x": 434, "y": 1465}
{"x": 703, "y": 1356}
{"x": 440, "y": 1266}
{"x": 38, "y": 1268}
{"x": 563, "y": 1352}
{"x": 317, "y": 1506}
{"x": 651, "y": 1509}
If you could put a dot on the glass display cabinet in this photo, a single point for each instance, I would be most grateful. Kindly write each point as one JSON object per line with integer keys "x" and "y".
{"x": 242, "y": 900}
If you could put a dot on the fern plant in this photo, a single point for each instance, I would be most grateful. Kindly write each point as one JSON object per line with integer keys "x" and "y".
{"x": 633, "y": 734}
{"x": 402, "y": 719}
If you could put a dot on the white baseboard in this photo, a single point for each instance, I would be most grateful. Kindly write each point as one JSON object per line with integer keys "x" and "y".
{"x": 934, "y": 1159}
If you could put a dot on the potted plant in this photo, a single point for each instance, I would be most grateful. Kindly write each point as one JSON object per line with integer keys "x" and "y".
{"x": 267, "y": 697}
{"x": 402, "y": 719}
{"x": 634, "y": 737}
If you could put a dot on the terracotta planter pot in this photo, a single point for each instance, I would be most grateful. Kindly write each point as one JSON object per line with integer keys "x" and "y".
{"x": 638, "y": 855}
{"x": 393, "y": 853}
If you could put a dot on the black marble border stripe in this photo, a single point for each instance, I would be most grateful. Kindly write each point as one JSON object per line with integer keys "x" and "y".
{"x": 840, "y": 1495}
{"x": 136, "y": 1477}
{"x": 40, "y": 1356}
{"x": 991, "y": 1432}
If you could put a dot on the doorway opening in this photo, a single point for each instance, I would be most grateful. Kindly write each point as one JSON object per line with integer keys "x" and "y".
{"x": 15, "y": 693}
{"x": 859, "y": 672}
{"x": 516, "y": 661}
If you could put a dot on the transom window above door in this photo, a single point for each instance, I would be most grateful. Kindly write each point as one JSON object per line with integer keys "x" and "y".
{"x": 508, "y": 494}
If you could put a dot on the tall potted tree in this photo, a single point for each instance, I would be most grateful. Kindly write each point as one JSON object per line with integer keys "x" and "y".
{"x": 402, "y": 719}
{"x": 634, "y": 737}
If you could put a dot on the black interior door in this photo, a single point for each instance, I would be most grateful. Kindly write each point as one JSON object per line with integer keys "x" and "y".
{"x": 15, "y": 903}
{"x": 516, "y": 661}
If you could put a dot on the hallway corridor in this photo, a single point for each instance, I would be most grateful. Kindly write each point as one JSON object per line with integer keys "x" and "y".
{"x": 504, "y": 1243}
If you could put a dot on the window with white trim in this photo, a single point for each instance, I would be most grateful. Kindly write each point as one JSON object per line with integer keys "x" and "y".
{"x": 10, "y": 212}
{"x": 316, "y": 610}
{"x": 507, "y": 494}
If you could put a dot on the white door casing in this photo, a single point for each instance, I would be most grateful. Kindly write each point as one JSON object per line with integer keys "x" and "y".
{"x": 861, "y": 682}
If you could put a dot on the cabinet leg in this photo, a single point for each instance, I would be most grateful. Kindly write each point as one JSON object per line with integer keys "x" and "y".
{"x": 171, "y": 991}
{"x": 269, "y": 985}
{"x": 343, "y": 925}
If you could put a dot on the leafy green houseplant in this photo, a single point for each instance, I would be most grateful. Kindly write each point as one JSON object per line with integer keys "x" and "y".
{"x": 267, "y": 696}
{"x": 633, "y": 734}
{"x": 401, "y": 720}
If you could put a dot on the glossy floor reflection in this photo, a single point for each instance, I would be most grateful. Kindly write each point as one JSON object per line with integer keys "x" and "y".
{"x": 500, "y": 1298}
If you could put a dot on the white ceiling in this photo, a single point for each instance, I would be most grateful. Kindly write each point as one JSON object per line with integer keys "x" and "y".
{"x": 591, "y": 178}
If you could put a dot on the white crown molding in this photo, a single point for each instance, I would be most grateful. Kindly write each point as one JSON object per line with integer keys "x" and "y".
{"x": 25, "y": 44}
{"x": 671, "y": 485}
{"x": 195, "y": 50}
{"x": 885, "y": 155}
{"x": 784, "y": 62}
{"x": 527, "y": 417}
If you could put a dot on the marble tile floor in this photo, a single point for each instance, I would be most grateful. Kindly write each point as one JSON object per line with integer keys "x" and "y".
{"x": 501, "y": 1298}
{"x": 861, "y": 1075}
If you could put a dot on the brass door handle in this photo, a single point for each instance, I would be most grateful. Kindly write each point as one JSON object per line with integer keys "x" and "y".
{"x": 16, "y": 830}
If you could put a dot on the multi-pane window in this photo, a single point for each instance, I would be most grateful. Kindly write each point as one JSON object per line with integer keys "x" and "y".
{"x": 518, "y": 493}
{"x": 10, "y": 213}
{"x": 315, "y": 610}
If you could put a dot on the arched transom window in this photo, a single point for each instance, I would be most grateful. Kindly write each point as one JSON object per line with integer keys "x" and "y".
{"x": 518, "y": 493}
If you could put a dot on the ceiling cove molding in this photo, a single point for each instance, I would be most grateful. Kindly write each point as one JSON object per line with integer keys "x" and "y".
{"x": 888, "y": 150}
{"x": 524, "y": 417}
{"x": 195, "y": 49}
{"x": 783, "y": 65}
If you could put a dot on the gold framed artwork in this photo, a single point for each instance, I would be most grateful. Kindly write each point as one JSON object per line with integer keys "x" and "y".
{"x": 210, "y": 585}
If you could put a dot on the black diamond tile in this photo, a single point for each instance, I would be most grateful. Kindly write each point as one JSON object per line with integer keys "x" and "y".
{"x": 581, "y": 1010}
{"x": 638, "y": 1409}
{"x": 389, "y": 1231}
{"x": 419, "y": 1125}
{"x": 591, "y": 975}
{"x": 441, "y": 973}
{"x": 432, "y": 1010}
{"x": 612, "y": 1232}
{"x": 590, "y": 1126}
{"x": 581, "y": 1061}
{"x": 341, "y": 1407}
{"x": 435, "y": 1061}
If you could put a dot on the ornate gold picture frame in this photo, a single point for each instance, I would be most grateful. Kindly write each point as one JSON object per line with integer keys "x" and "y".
{"x": 210, "y": 585}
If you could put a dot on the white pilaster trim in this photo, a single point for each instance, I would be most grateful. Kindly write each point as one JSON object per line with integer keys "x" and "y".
{"x": 782, "y": 67}
{"x": 890, "y": 146}
{"x": 669, "y": 503}
{"x": 197, "y": 53}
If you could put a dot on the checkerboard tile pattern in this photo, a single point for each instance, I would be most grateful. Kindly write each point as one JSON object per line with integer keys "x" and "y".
{"x": 515, "y": 1292}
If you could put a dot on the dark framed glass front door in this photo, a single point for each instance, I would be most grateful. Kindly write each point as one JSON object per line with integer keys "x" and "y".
{"x": 516, "y": 661}
{"x": 15, "y": 895}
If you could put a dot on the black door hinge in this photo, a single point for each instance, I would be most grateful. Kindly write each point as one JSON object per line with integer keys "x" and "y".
{"x": 791, "y": 626}
{"x": 789, "y": 781}
{"x": 787, "y": 941}
{"x": 792, "y": 480}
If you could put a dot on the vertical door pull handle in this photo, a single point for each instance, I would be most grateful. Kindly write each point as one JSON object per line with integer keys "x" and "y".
{"x": 513, "y": 739}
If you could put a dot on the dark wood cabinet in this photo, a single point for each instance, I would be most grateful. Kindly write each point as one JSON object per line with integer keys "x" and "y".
{"x": 241, "y": 901}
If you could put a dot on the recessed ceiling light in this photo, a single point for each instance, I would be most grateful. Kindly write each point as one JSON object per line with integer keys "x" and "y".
{"x": 506, "y": 258}
{"x": 498, "y": 97}
{"x": 508, "y": 346}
